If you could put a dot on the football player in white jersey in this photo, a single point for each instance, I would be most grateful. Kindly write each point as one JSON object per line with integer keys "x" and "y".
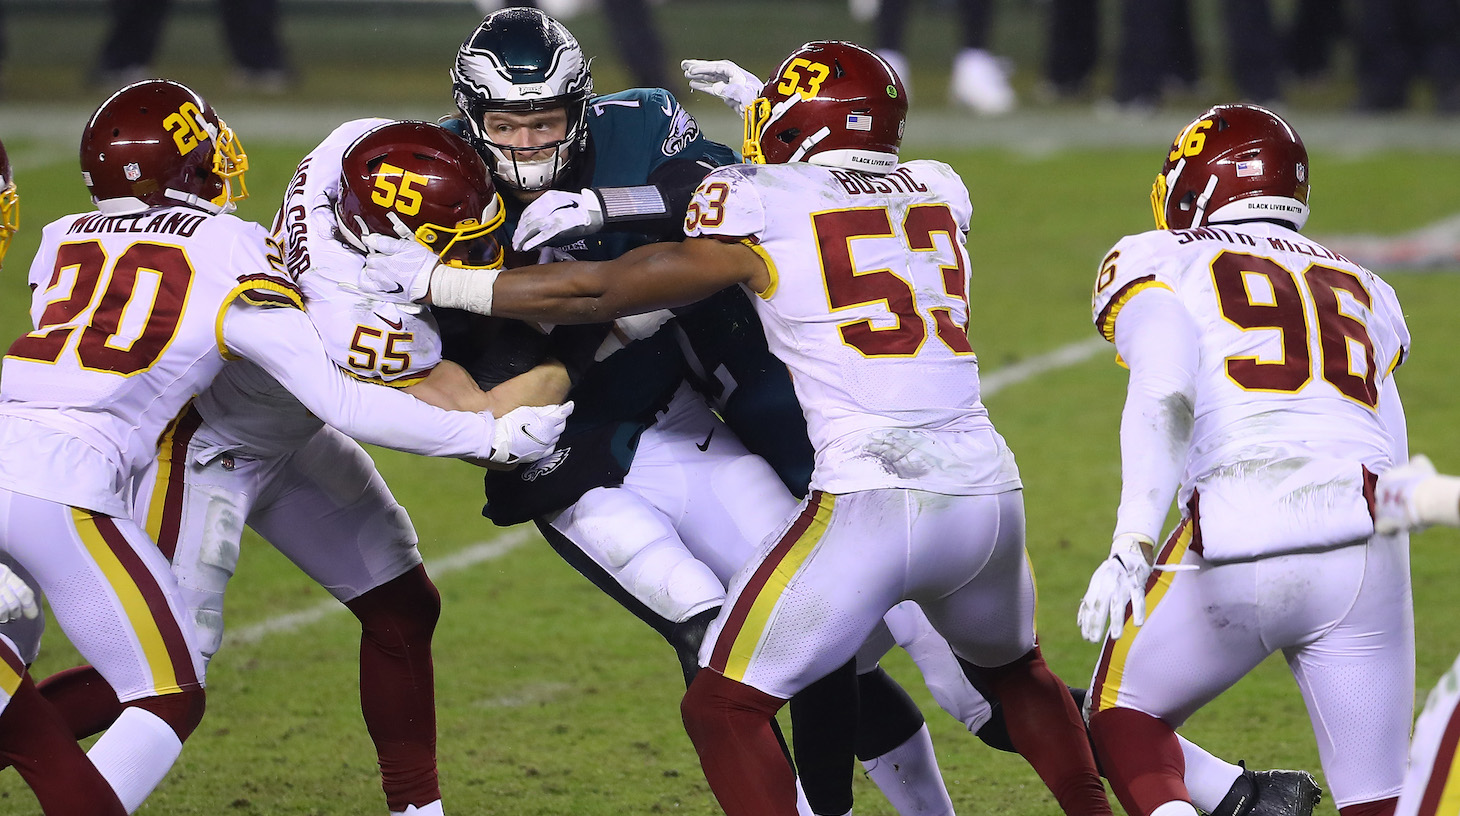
{"x": 249, "y": 452}
{"x": 33, "y": 737}
{"x": 1412, "y": 497}
{"x": 859, "y": 272}
{"x": 1262, "y": 399}
{"x": 1432, "y": 783}
{"x": 136, "y": 307}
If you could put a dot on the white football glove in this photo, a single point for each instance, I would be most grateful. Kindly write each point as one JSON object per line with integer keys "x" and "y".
{"x": 17, "y": 599}
{"x": 559, "y": 217}
{"x": 396, "y": 269}
{"x": 528, "y": 433}
{"x": 723, "y": 80}
{"x": 1414, "y": 496}
{"x": 1119, "y": 580}
{"x": 1394, "y": 510}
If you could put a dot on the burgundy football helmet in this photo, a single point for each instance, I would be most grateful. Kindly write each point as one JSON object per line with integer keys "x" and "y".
{"x": 830, "y": 103}
{"x": 419, "y": 180}
{"x": 157, "y": 143}
{"x": 9, "y": 204}
{"x": 1233, "y": 163}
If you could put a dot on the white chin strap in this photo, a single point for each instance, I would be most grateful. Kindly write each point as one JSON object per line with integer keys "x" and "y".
{"x": 1201, "y": 201}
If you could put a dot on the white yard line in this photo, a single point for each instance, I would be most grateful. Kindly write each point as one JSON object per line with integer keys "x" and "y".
{"x": 1062, "y": 357}
{"x": 469, "y": 557}
{"x": 993, "y": 382}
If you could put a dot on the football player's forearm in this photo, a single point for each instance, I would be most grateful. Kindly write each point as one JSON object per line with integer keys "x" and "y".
{"x": 545, "y": 384}
{"x": 450, "y": 388}
{"x": 1158, "y": 341}
{"x": 570, "y": 292}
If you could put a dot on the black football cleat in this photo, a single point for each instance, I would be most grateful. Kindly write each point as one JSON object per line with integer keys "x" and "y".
{"x": 1270, "y": 793}
{"x": 1285, "y": 793}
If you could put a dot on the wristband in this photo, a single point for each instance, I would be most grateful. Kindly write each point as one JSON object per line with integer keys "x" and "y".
{"x": 640, "y": 203}
{"x": 468, "y": 289}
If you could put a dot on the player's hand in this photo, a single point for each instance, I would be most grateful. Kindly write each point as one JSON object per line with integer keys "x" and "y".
{"x": 396, "y": 269}
{"x": 528, "y": 433}
{"x": 723, "y": 80}
{"x": 1395, "y": 509}
{"x": 559, "y": 217}
{"x": 1119, "y": 580}
{"x": 17, "y": 599}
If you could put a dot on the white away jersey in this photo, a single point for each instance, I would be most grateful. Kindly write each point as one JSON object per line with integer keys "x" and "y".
{"x": 868, "y": 309}
{"x": 372, "y": 340}
{"x": 1295, "y": 342}
{"x": 127, "y": 312}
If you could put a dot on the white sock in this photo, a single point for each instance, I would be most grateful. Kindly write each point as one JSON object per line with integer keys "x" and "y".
{"x": 433, "y": 809}
{"x": 135, "y": 754}
{"x": 1207, "y": 778}
{"x": 908, "y": 776}
{"x": 1175, "y": 808}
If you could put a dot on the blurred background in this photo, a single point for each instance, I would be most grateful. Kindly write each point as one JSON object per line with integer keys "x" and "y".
{"x": 1053, "y": 54}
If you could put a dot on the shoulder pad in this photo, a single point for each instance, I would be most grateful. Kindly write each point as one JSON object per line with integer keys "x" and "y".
{"x": 267, "y": 291}
{"x": 1130, "y": 267}
{"x": 726, "y": 204}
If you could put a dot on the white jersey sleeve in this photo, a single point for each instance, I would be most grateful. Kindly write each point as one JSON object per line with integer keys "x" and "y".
{"x": 283, "y": 342}
{"x": 1157, "y": 339}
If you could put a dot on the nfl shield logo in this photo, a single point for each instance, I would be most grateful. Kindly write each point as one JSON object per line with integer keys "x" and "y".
{"x": 131, "y": 171}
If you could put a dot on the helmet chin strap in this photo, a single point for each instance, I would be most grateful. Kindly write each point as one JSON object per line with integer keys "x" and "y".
{"x": 199, "y": 202}
{"x": 1201, "y": 201}
{"x": 808, "y": 143}
{"x": 401, "y": 230}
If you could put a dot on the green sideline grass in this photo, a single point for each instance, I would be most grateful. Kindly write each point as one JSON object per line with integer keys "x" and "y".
{"x": 552, "y": 700}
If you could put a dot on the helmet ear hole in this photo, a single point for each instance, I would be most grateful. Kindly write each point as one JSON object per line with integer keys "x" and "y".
{"x": 1187, "y": 201}
{"x": 788, "y": 135}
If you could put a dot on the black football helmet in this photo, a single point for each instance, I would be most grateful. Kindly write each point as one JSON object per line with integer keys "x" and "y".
{"x": 519, "y": 60}
{"x": 417, "y": 180}
{"x": 9, "y": 204}
{"x": 1233, "y": 163}
{"x": 829, "y": 103}
{"x": 157, "y": 143}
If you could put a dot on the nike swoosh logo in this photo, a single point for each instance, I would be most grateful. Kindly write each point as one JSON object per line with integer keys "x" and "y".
{"x": 706, "y": 445}
{"x": 397, "y": 290}
{"x": 667, "y": 108}
{"x": 529, "y": 435}
{"x": 572, "y": 206}
{"x": 394, "y": 324}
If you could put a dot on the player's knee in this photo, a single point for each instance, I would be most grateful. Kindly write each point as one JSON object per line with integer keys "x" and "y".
{"x": 405, "y": 608}
{"x": 670, "y": 581}
{"x": 888, "y": 715}
{"x": 715, "y": 706}
{"x": 1025, "y": 666}
{"x": 181, "y": 711}
{"x": 687, "y": 637}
